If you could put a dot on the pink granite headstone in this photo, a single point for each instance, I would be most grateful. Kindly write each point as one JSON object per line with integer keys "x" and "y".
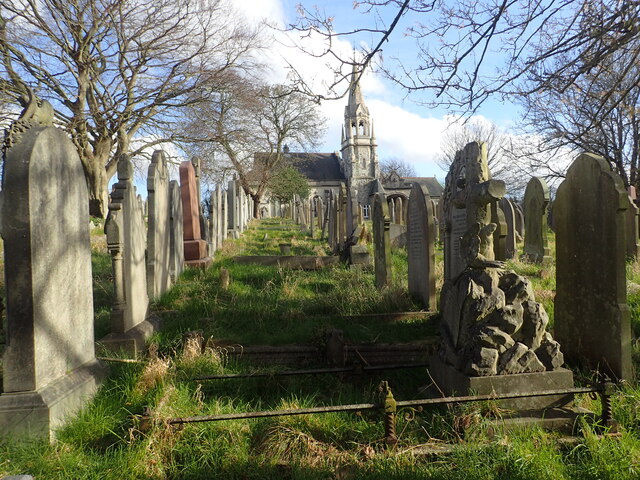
{"x": 195, "y": 248}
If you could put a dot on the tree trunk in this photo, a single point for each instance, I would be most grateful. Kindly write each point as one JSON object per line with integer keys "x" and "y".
{"x": 256, "y": 204}
{"x": 97, "y": 183}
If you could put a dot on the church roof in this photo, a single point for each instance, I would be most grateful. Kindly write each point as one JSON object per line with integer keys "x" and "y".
{"x": 405, "y": 183}
{"x": 317, "y": 167}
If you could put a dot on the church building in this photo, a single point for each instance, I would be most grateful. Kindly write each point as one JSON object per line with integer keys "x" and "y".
{"x": 356, "y": 166}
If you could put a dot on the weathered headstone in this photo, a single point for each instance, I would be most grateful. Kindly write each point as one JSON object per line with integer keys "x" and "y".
{"x": 510, "y": 220}
{"x": 398, "y": 207}
{"x": 126, "y": 242}
{"x": 49, "y": 365}
{"x": 517, "y": 209}
{"x": 493, "y": 328}
{"x": 500, "y": 233}
{"x": 632, "y": 225}
{"x": 158, "y": 232}
{"x": 195, "y": 248}
{"x": 421, "y": 247}
{"x": 536, "y": 203}
{"x": 342, "y": 218}
{"x": 591, "y": 313}
{"x": 232, "y": 208}
{"x": 381, "y": 241}
{"x": 176, "y": 244}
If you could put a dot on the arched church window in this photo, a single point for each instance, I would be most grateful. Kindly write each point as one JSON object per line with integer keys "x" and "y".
{"x": 354, "y": 130}
{"x": 362, "y": 132}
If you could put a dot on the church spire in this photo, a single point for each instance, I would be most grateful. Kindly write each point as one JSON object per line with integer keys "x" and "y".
{"x": 355, "y": 94}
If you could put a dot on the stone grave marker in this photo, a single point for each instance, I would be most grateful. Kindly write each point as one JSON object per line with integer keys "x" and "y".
{"x": 421, "y": 247}
{"x": 511, "y": 247}
{"x": 536, "y": 203}
{"x": 195, "y": 248}
{"x": 517, "y": 208}
{"x": 381, "y": 241}
{"x": 49, "y": 365}
{"x": 592, "y": 319}
{"x": 500, "y": 233}
{"x": 632, "y": 225}
{"x": 232, "y": 204}
{"x": 176, "y": 245}
{"x": 159, "y": 220}
{"x": 126, "y": 241}
{"x": 493, "y": 336}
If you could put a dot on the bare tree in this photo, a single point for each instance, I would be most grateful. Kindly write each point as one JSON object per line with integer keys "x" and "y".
{"x": 118, "y": 69}
{"x": 390, "y": 166}
{"x": 573, "y": 119}
{"x": 248, "y": 128}
{"x": 468, "y": 51}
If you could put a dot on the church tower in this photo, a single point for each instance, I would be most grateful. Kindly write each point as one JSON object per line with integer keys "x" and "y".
{"x": 359, "y": 153}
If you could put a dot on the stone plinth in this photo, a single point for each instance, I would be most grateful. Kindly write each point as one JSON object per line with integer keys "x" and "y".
{"x": 454, "y": 383}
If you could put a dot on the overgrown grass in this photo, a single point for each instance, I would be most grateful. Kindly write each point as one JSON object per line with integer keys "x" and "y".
{"x": 273, "y": 305}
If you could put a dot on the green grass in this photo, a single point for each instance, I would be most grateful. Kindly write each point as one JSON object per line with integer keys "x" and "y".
{"x": 274, "y": 306}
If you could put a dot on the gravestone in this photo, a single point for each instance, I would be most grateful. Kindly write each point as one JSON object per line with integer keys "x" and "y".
{"x": 500, "y": 233}
{"x": 126, "y": 242}
{"x": 421, "y": 247}
{"x": 232, "y": 208}
{"x": 536, "y": 203}
{"x": 158, "y": 232}
{"x": 398, "y": 211}
{"x": 342, "y": 217}
{"x": 176, "y": 227}
{"x": 195, "y": 248}
{"x": 510, "y": 247}
{"x": 632, "y": 225}
{"x": 519, "y": 221}
{"x": 591, "y": 313}
{"x": 493, "y": 331}
{"x": 49, "y": 365}
{"x": 224, "y": 215}
{"x": 381, "y": 241}
{"x": 320, "y": 214}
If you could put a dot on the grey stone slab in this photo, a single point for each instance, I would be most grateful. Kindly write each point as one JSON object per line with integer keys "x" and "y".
{"x": 536, "y": 205}
{"x": 381, "y": 241}
{"x": 176, "y": 245}
{"x": 591, "y": 315}
{"x": 159, "y": 224}
{"x": 510, "y": 247}
{"x": 421, "y": 256}
{"x": 48, "y": 285}
{"x": 455, "y": 383}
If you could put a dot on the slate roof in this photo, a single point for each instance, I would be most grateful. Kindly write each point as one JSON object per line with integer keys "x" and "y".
{"x": 317, "y": 167}
{"x": 405, "y": 183}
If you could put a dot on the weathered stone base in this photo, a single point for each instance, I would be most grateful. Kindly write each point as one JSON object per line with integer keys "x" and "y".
{"x": 454, "y": 383}
{"x": 195, "y": 249}
{"x": 131, "y": 342}
{"x": 359, "y": 255}
{"x": 38, "y": 413}
{"x": 202, "y": 263}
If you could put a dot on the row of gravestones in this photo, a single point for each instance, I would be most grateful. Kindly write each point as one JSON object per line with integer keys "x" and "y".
{"x": 49, "y": 365}
{"x": 240, "y": 208}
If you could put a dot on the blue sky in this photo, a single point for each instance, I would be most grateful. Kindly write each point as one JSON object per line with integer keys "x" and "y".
{"x": 404, "y": 128}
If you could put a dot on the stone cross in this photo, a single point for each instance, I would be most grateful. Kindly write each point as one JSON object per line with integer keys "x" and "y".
{"x": 469, "y": 192}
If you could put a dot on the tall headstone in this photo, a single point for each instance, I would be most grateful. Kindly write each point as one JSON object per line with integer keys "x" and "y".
{"x": 342, "y": 217}
{"x": 195, "y": 248}
{"x": 632, "y": 225}
{"x": 500, "y": 233}
{"x": 49, "y": 365}
{"x": 493, "y": 336}
{"x": 398, "y": 207}
{"x": 421, "y": 247}
{"x": 517, "y": 208}
{"x": 510, "y": 219}
{"x": 176, "y": 243}
{"x": 219, "y": 212}
{"x": 536, "y": 204}
{"x": 381, "y": 241}
{"x": 232, "y": 208}
{"x": 126, "y": 242}
{"x": 592, "y": 319}
{"x": 159, "y": 224}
